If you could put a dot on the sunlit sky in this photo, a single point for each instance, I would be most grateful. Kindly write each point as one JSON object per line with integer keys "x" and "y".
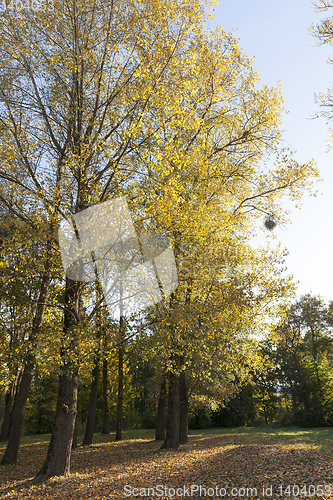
{"x": 277, "y": 35}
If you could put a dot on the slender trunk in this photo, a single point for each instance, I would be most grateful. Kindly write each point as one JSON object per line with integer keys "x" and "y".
{"x": 9, "y": 398}
{"x": 173, "y": 430}
{"x": 119, "y": 431}
{"x": 16, "y": 390}
{"x": 183, "y": 398}
{"x": 183, "y": 406}
{"x": 57, "y": 462}
{"x": 160, "y": 434}
{"x": 105, "y": 383}
{"x": 91, "y": 419}
{"x": 17, "y": 413}
{"x": 74, "y": 443}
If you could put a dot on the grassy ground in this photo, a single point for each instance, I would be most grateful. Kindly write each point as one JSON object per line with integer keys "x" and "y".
{"x": 252, "y": 463}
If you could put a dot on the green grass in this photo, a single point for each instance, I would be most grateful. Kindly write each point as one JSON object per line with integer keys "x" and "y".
{"x": 316, "y": 434}
{"x": 323, "y": 435}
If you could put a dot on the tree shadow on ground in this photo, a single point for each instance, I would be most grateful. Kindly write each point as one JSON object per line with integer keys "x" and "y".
{"x": 103, "y": 470}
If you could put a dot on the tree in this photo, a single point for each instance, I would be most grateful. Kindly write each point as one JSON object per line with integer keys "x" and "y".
{"x": 110, "y": 99}
{"x": 91, "y": 417}
{"x": 304, "y": 351}
{"x": 79, "y": 82}
{"x": 160, "y": 434}
{"x": 323, "y": 32}
{"x": 233, "y": 125}
{"x": 105, "y": 387}
{"x": 41, "y": 404}
{"x": 27, "y": 254}
{"x": 120, "y": 394}
{"x": 266, "y": 383}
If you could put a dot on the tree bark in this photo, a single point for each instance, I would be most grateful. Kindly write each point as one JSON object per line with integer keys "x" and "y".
{"x": 16, "y": 390}
{"x": 74, "y": 443}
{"x": 183, "y": 406}
{"x": 105, "y": 386}
{"x": 160, "y": 434}
{"x": 8, "y": 406}
{"x": 17, "y": 414}
{"x": 9, "y": 398}
{"x": 91, "y": 419}
{"x": 172, "y": 439}
{"x": 57, "y": 462}
{"x": 119, "y": 428}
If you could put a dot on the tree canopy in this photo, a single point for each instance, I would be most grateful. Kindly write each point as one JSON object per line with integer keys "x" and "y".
{"x": 136, "y": 99}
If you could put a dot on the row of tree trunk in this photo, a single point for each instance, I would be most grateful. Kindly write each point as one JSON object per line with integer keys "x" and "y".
{"x": 12, "y": 427}
{"x": 9, "y": 400}
{"x": 16, "y": 397}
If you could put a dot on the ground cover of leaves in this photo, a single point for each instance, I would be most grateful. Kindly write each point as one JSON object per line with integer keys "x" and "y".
{"x": 225, "y": 465}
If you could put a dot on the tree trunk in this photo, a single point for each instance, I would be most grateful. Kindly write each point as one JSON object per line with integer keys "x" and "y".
{"x": 173, "y": 428}
{"x": 57, "y": 462}
{"x": 74, "y": 443}
{"x": 105, "y": 384}
{"x": 9, "y": 398}
{"x": 183, "y": 406}
{"x": 16, "y": 390}
{"x": 119, "y": 431}
{"x": 160, "y": 434}
{"x": 17, "y": 413}
{"x": 91, "y": 419}
{"x": 8, "y": 406}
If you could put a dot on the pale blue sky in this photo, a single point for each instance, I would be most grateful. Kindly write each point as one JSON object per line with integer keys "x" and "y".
{"x": 277, "y": 34}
